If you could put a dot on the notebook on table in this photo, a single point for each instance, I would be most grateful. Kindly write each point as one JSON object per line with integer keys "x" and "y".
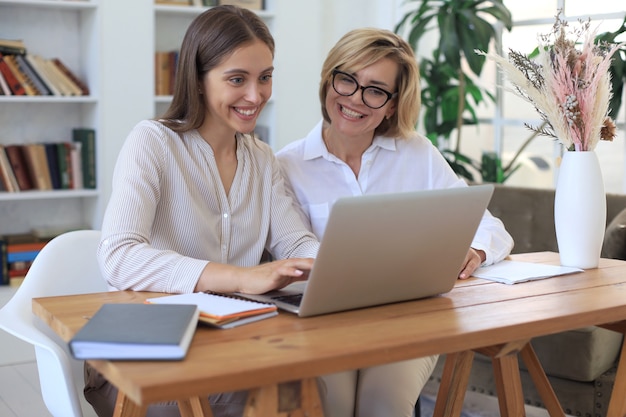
{"x": 387, "y": 248}
{"x": 136, "y": 332}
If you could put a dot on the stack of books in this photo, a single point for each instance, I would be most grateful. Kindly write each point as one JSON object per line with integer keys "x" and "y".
{"x": 26, "y": 74}
{"x": 17, "y": 253}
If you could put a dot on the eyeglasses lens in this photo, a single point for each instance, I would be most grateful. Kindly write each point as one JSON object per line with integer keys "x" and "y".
{"x": 346, "y": 85}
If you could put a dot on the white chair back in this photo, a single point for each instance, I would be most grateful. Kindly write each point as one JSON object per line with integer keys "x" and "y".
{"x": 66, "y": 265}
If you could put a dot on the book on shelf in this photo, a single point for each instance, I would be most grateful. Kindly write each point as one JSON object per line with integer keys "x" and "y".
{"x": 172, "y": 60}
{"x": 174, "y": 2}
{"x": 15, "y": 153}
{"x": 62, "y": 82}
{"x": 38, "y": 64}
{"x": 31, "y": 73}
{"x": 21, "y": 77}
{"x": 137, "y": 332}
{"x": 162, "y": 73}
{"x": 22, "y": 256}
{"x": 87, "y": 138}
{"x": 221, "y": 310}
{"x": 4, "y": 265}
{"x": 64, "y": 161}
{"x": 14, "y": 85}
{"x": 4, "y": 86}
{"x": 12, "y": 46}
{"x": 82, "y": 87}
{"x": 37, "y": 164}
{"x": 7, "y": 176}
{"x": 76, "y": 172}
{"x": 53, "y": 164}
{"x": 248, "y": 4}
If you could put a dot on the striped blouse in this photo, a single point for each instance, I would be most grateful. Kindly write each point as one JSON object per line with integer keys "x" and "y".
{"x": 169, "y": 215}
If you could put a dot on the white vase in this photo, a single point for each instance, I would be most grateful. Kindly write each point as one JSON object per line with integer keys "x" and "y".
{"x": 580, "y": 210}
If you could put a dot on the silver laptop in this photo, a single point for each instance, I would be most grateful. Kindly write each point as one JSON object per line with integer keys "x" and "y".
{"x": 387, "y": 248}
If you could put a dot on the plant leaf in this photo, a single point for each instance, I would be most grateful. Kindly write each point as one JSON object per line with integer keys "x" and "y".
{"x": 448, "y": 40}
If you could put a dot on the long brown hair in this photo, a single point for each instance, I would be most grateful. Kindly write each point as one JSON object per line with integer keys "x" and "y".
{"x": 211, "y": 37}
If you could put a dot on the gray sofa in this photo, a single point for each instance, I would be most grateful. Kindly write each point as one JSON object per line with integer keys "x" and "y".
{"x": 581, "y": 363}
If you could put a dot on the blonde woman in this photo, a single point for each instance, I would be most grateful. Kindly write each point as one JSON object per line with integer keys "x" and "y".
{"x": 367, "y": 144}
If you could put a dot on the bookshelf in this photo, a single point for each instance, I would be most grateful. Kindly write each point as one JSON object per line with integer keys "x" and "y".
{"x": 70, "y": 31}
{"x": 110, "y": 44}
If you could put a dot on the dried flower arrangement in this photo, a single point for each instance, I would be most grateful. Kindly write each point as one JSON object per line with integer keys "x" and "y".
{"x": 570, "y": 88}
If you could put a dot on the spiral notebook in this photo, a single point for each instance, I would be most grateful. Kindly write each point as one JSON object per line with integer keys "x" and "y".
{"x": 221, "y": 310}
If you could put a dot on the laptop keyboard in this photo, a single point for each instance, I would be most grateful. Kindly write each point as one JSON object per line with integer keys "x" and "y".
{"x": 293, "y": 299}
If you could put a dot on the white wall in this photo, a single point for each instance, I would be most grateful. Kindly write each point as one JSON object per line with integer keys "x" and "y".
{"x": 304, "y": 32}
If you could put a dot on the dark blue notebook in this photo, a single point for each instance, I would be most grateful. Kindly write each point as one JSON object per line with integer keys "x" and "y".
{"x": 137, "y": 332}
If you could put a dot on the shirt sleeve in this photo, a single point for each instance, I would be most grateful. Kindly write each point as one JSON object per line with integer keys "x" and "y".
{"x": 491, "y": 235}
{"x": 492, "y": 238}
{"x": 127, "y": 257}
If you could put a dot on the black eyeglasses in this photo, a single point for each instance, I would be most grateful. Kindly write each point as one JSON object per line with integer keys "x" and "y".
{"x": 373, "y": 97}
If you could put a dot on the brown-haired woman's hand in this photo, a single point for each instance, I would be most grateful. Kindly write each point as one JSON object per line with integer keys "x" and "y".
{"x": 275, "y": 275}
{"x": 254, "y": 280}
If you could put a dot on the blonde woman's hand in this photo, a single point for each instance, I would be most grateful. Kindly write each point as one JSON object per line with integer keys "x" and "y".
{"x": 473, "y": 259}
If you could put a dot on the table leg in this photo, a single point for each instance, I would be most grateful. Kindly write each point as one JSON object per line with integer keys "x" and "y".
{"x": 541, "y": 381}
{"x": 508, "y": 380}
{"x": 508, "y": 385}
{"x": 289, "y": 399}
{"x": 126, "y": 408}
{"x": 617, "y": 403}
{"x": 453, "y": 384}
{"x": 195, "y": 407}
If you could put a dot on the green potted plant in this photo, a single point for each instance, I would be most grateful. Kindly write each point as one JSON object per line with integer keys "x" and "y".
{"x": 449, "y": 94}
{"x": 618, "y": 67}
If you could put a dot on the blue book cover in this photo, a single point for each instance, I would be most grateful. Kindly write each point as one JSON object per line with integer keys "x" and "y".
{"x": 22, "y": 256}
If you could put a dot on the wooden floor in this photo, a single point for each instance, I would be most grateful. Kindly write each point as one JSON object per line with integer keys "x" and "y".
{"x": 20, "y": 395}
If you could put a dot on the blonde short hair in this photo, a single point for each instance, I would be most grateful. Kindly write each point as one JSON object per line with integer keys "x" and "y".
{"x": 362, "y": 47}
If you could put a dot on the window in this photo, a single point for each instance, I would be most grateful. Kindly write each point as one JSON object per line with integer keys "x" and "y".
{"x": 503, "y": 128}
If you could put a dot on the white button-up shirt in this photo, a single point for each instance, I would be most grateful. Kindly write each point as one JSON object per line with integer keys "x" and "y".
{"x": 318, "y": 178}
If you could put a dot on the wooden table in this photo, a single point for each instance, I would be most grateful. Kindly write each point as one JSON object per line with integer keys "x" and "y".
{"x": 477, "y": 315}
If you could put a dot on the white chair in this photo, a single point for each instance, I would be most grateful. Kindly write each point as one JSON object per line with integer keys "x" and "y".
{"x": 66, "y": 265}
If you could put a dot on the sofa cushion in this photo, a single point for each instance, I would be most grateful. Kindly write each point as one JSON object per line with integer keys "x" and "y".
{"x": 582, "y": 354}
{"x": 614, "y": 245}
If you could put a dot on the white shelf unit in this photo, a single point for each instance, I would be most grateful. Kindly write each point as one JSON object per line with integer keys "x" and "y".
{"x": 171, "y": 23}
{"x": 69, "y": 30}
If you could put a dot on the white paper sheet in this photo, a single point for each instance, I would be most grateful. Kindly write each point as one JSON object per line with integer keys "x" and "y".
{"x": 513, "y": 272}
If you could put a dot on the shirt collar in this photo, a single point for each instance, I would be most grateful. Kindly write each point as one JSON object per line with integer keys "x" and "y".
{"x": 314, "y": 146}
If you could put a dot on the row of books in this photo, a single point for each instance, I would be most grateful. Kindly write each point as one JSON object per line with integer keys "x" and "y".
{"x": 50, "y": 165}
{"x": 25, "y": 74}
{"x": 165, "y": 64}
{"x": 250, "y": 4}
{"x": 17, "y": 253}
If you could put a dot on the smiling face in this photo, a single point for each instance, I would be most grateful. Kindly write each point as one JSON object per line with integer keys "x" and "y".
{"x": 237, "y": 89}
{"x": 349, "y": 116}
